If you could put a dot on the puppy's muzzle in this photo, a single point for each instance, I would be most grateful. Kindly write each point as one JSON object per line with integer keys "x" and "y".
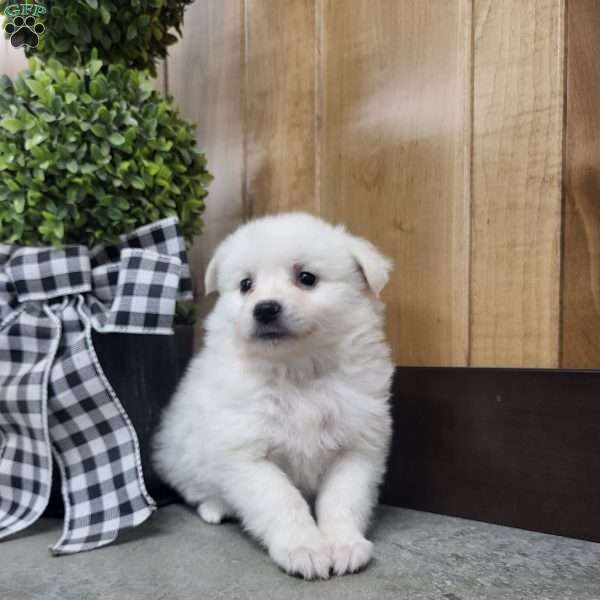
{"x": 270, "y": 325}
{"x": 268, "y": 312}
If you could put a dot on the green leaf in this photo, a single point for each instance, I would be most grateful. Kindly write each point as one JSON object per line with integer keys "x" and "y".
{"x": 116, "y": 139}
{"x": 62, "y": 46}
{"x": 138, "y": 183}
{"x": 13, "y": 186}
{"x": 114, "y": 214}
{"x": 152, "y": 168}
{"x": 70, "y": 97}
{"x": 19, "y": 204}
{"x": 29, "y": 121}
{"x": 99, "y": 130}
{"x": 34, "y": 140}
{"x": 86, "y": 34}
{"x": 92, "y": 4}
{"x": 72, "y": 26}
{"x": 94, "y": 66}
{"x": 33, "y": 197}
{"x": 73, "y": 81}
{"x": 88, "y": 168}
{"x": 38, "y": 88}
{"x": 96, "y": 88}
{"x": 105, "y": 14}
{"x": 96, "y": 153}
{"x": 72, "y": 195}
{"x": 97, "y": 31}
{"x": 72, "y": 166}
{"x": 12, "y": 125}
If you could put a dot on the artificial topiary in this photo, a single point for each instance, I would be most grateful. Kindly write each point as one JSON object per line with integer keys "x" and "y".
{"x": 136, "y": 32}
{"x": 92, "y": 152}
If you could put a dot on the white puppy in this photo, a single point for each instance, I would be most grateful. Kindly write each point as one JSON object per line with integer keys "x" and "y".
{"x": 288, "y": 402}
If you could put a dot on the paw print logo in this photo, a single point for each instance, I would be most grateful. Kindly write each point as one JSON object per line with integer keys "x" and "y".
{"x": 24, "y": 31}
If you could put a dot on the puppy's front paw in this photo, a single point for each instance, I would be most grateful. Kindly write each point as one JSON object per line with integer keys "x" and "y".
{"x": 213, "y": 510}
{"x": 310, "y": 559}
{"x": 350, "y": 556}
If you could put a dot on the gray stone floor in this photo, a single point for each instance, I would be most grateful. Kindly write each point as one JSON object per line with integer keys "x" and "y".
{"x": 174, "y": 556}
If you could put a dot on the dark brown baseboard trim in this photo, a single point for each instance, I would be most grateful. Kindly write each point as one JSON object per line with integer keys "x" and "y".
{"x": 509, "y": 446}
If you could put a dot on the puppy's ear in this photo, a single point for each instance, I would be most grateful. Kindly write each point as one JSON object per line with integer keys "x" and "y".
{"x": 374, "y": 266}
{"x": 210, "y": 276}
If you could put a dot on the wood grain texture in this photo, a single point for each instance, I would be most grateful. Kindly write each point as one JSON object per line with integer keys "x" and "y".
{"x": 517, "y": 177}
{"x": 395, "y": 159}
{"x": 12, "y": 60}
{"x": 280, "y": 99}
{"x": 581, "y": 256}
{"x": 205, "y": 78}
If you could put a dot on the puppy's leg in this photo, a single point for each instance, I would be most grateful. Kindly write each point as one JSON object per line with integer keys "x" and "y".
{"x": 213, "y": 510}
{"x": 275, "y": 512}
{"x": 344, "y": 506}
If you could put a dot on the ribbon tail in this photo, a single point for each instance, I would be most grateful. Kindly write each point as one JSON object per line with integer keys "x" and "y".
{"x": 25, "y": 462}
{"x": 94, "y": 443}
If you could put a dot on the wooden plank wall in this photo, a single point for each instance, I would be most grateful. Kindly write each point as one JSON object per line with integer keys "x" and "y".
{"x": 437, "y": 129}
{"x": 516, "y": 182}
{"x": 433, "y": 128}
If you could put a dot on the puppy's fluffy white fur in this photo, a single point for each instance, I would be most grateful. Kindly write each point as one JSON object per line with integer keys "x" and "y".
{"x": 262, "y": 426}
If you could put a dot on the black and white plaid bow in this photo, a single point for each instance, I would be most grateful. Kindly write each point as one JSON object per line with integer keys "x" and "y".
{"x": 55, "y": 400}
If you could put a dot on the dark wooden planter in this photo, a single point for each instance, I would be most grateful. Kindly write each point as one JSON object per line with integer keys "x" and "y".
{"x": 144, "y": 371}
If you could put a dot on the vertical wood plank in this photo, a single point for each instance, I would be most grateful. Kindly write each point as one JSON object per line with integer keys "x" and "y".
{"x": 12, "y": 60}
{"x": 395, "y": 159}
{"x": 581, "y": 257}
{"x": 517, "y": 171}
{"x": 205, "y": 78}
{"x": 280, "y": 105}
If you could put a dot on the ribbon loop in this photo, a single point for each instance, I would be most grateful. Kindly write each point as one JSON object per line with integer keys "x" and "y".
{"x": 144, "y": 293}
{"x": 46, "y": 273}
{"x": 163, "y": 237}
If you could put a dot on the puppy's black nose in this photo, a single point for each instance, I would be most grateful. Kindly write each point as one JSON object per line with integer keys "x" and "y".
{"x": 266, "y": 312}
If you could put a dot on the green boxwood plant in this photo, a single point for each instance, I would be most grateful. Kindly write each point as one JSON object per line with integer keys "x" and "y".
{"x": 90, "y": 152}
{"x": 135, "y": 32}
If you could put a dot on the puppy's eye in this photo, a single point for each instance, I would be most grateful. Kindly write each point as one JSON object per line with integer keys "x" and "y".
{"x": 245, "y": 285}
{"x": 307, "y": 279}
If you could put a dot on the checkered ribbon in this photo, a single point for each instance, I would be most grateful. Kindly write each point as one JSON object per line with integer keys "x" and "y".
{"x": 55, "y": 400}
